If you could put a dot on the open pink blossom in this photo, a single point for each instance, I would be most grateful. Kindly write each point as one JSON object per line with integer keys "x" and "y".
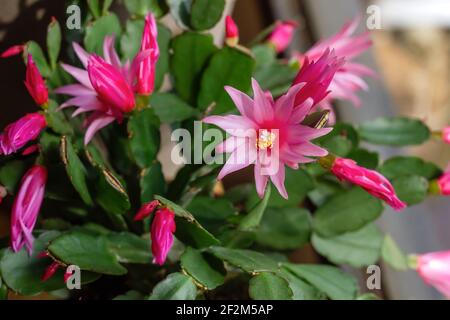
{"x": 434, "y": 269}
{"x": 12, "y": 51}
{"x": 162, "y": 229}
{"x": 446, "y": 135}
{"x": 110, "y": 93}
{"x": 231, "y": 32}
{"x": 370, "y": 180}
{"x": 348, "y": 79}
{"x": 19, "y": 133}
{"x": 35, "y": 83}
{"x": 282, "y": 35}
{"x": 444, "y": 183}
{"x": 267, "y": 134}
{"x": 317, "y": 76}
{"x": 147, "y": 68}
{"x": 26, "y": 208}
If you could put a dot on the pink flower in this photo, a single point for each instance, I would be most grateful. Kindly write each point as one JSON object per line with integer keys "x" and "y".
{"x": 317, "y": 76}
{"x": 231, "y": 32}
{"x": 348, "y": 79}
{"x": 12, "y": 51}
{"x": 146, "y": 70}
{"x": 19, "y": 133}
{"x": 26, "y": 208}
{"x": 35, "y": 83}
{"x": 444, "y": 183}
{"x": 446, "y": 135}
{"x": 434, "y": 268}
{"x": 112, "y": 80}
{"x": 146, "y": 210}
{"x": 370, "y": 180}
{"x": 267, "y": 134}
{"x": 162, "y": 229}
{"x": 282, "y": 34}
{"x": 50, "y": 271}
{"x": 110, "y": 85}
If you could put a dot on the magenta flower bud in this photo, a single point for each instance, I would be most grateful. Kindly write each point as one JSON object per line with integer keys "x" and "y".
{"x": 19, "y": 133}
{"x": 146, "y": 210}
{"x": 163, "y": 227}
{"x": 370, "y": 180}
{"x": 317, "y": 76}
{"x": 14, "y": 50}
{"x": 444, "y": 183}
{"x": 434, "y": 269}
{"x": 50, "y": 271}
{"x": 231, "y": 32}
{"x": 110, "y": 85}
{"x": 26, "y": 208}
{"x": 282, "y": 34}
{"x": 35, "y": 83}
{"x": 446, "y": 135}
{"x": 147, "y": 68}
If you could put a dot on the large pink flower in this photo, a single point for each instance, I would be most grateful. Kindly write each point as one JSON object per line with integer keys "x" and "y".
{"x": 26, "y": 208}
{"x": 434, "y": 268}
{"x": 106, "y": 90}
{"x": 35, "y": 83}
{"x": 267, "y": 134}
{"x": 370, "y": 180}
{"x": 19, "y": 133}
{"x": 348, "y": 79}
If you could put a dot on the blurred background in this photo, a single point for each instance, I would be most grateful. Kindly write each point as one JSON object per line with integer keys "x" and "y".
{"x": 411, "y": 55}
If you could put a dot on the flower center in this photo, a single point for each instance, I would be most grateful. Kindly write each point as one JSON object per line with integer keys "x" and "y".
{"x": 265, "y": 139}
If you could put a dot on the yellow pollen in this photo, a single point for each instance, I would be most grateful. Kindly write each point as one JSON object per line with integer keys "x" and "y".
{"x": 265, "y": 139}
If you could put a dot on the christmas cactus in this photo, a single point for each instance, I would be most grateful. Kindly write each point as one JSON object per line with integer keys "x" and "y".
{"x": 91, "y": 208}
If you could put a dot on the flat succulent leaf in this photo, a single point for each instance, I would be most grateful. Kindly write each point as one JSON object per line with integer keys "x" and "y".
{"x": 398, "y": 131}
{"x": 89, "y": 252}
{"x": 345, "y": 212}
{"x": 358, "y": 248}
{"x": 269, "y": 286}
{"x": 203, "y": 267}
{"x": 176, "y": 286}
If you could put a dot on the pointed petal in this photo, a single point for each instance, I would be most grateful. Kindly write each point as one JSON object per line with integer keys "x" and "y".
{"x": 242, "y": 157}
{"x": 234, "y": 125}
{"x": 79, "y": 74}
{"x": 230, "y": 144}
{"x": 242, "y": 101}
{"x": 278, "y": 181}
{"x": 260, "y": 180}
{"x": 81, "y": 54}
{"x": 301, "y": 111}
{"x": 74, "y": 90}
{"x": 262, "y": 110}
{"x": 95, "y": 125}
